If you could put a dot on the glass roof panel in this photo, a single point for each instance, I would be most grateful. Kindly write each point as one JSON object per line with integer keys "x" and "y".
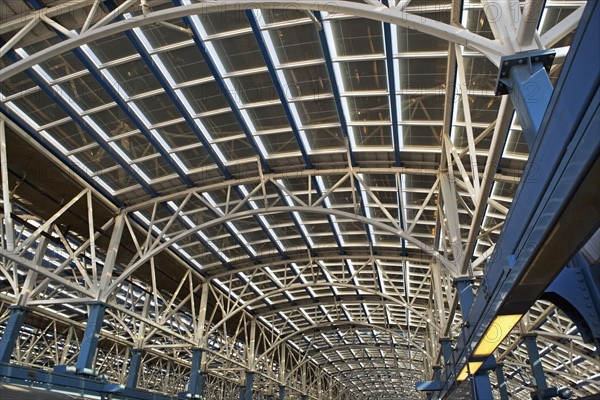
{"x": 205, "y": 97}
{"x": 270, "y": 117}
{"x": 364, "y": 75}
{"x": 113, "y": 48}
{"x": 222, "y": 22}
{"x": 326, "y": 138}
{"x": 87, "y": 92}
{"x": 157, "y": 36}
{"x": 357, "y": 37}
{"x": 239, "y": 52}
{"x": 134, "y": 77}
{"x": 297, "y": 43}
{"x": 185, "y": 64}
{"x": 311, "y": 80}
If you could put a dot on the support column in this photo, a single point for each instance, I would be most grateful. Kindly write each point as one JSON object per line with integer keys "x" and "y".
{"x": 464, "y": 287}
{"x": 87, "y": 351}
{"x": 9, "y": 229}
{"x": 499, "y": 370}
{"x": 11, "y": 332}
{"x": 197, "y": 378}
{"x": 481, "y": 389}
{"x": 536, "y": 364}
{"x": 524, "y": 77}
{"x": 248, "y": 388}
{"x": 135, "y": 364}
{"x": 281, "y": 392}
{"x": 447, "y": 353}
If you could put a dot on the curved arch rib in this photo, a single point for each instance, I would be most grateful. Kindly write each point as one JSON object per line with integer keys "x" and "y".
{"x": 277, "y": 210}
{"x": 489, "y": 48}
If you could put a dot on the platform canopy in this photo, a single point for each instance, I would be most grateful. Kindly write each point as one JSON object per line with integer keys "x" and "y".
{"x": 292, "y": 186}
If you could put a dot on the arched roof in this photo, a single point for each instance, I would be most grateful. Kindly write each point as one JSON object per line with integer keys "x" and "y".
{"x": 324, "y": 168}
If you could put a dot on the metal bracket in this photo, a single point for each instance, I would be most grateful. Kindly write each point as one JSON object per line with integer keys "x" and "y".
{"x": 546, "y": 57}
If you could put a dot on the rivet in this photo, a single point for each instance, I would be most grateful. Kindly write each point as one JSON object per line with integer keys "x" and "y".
{"x": 520, "y": 61}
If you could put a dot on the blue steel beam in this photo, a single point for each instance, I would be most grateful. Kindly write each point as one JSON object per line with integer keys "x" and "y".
{"x": 135, "y": 365}
{"x": 502, "y": 389}
{"x": 11, "y": 332}
{"x": 89, "y": 343}
{"x": 248, "y": 386}
{"x": 389, "y": 59}
{"x": 553, "y": 210}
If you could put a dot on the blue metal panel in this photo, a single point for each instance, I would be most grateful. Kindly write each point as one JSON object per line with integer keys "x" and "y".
{"x": 134, "y": 368}
{"x": 464, "y": 287}
{"x": 249, "y": 383}
{"x": 575, "y": 292}
{"x": 87, "y": 351}
{"x": 481, "y": 389}
{"x": 430, "y": 386}
{"x": 281, "y": 392}
{"x": 11, "y": 332}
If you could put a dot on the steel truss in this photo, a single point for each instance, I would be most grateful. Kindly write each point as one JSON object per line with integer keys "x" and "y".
{"x": 283, "y": 315}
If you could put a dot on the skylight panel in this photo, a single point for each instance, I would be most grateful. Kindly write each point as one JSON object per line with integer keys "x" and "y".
{"x": 222, "y": 71}
{"x": 266, "y": 34}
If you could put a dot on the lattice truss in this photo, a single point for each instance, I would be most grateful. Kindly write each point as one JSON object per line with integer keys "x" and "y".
{"x": 293, "y": 188}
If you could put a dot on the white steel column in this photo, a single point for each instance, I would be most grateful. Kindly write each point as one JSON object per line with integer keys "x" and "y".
{"x": 9, "y": 228}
